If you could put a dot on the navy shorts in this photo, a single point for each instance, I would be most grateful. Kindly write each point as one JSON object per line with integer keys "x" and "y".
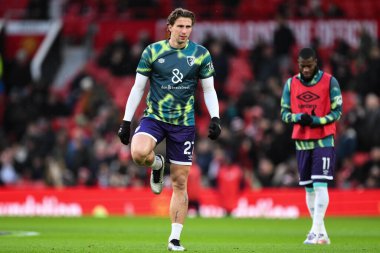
{"x": 316, "y": 165}
{"x": 179, "y": 139}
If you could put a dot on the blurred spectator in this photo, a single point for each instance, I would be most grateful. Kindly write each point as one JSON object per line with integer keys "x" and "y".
{"x": 343, "y": 173}
{"x": 286, "y": 174}
{"x": 8, "y": 174}
{"x": 54, "y": 172}
{"x": 268, "y": 65}
{"x": 265, "y": 172}
{"x": 371, "y": 83}
{"x": 56, "y": 106}
{"x": 229, "y": 184}
{"x": 219, "y": 157}
{"x": 2, "y": 92}
{"x": 204, "y": 154}
{"x": 366, "y": 120}
{"x": 37, "y": 9}
{"x": 221, "y": 65}
{"x": 256, "y": 56}
{"x": 340, "y": 64}
{"x": 139, "y": 8}
{"x": 334, "y": 11}
{"x": 77, "y": 156}
{"x": 365, "y": 44}
{"x": 230, "y": 8}
{"x": 115, "y": 56}
{"x": 144, "y": 39}
{"x": 368, "y": 175}
{"x": 194, "y": 183}
{"x": 18, "y": 75}
{"x": 279, "y": 146}
{"x": 16, "y": 116}
{"x": 346, "y": 144}
{"x": 283, "y": 43}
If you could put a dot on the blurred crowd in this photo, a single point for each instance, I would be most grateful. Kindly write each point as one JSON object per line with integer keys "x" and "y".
{"x": 69, "y": 139}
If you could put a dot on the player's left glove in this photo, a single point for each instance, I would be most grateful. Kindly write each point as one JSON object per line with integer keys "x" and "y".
{"x": 214, "y": 128}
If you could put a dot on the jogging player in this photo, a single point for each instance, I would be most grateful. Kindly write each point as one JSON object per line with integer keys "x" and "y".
{"x": 173, "y": 68}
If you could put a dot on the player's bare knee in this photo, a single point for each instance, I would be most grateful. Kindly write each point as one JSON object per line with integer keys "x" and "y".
{"x": 180, "y": 183}
{"x": 139, "y": 157}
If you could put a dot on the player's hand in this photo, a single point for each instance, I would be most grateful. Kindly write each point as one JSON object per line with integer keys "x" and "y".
{"x": 306, "y": 120}
{"x": 214, "y": 128}
{"x": 124, "y": 132}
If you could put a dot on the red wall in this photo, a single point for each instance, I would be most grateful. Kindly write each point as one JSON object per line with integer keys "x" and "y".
{"x": 271, "y": 203}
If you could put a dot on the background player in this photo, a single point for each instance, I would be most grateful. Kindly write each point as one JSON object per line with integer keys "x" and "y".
{"x": 312, "y": 100}
{"x": 173, "y": 68}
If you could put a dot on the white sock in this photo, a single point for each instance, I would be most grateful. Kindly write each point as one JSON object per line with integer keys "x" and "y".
{"x": 176, "y": 231}
{"x": 310, "y": 200}
{"x": 157, "y": 163}
{"x": 321, "y": 204}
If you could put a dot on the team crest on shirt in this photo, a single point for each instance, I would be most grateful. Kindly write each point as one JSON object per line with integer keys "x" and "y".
{"x": 190, "y": 60}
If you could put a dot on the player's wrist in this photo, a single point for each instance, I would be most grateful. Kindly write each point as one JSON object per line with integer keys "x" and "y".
{"x": 126, "y": 123}
{"x": 215, "y": 120}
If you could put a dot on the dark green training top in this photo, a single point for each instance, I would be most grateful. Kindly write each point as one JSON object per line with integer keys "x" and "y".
{"x": 174, "y": 75}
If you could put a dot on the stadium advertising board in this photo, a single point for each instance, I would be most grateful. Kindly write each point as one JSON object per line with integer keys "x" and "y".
{"x": 268, "y": 203}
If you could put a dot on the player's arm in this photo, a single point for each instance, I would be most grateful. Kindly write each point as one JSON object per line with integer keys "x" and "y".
{"x": 131, "y": 106}
{"x": 210, "y": 96}
{"x": 286, "y": 114}
{"x": 135, "y": 96}
{"x": 212, "y": 104}
{"x": 336, "y": 105}
{"x": 137, "y": 91}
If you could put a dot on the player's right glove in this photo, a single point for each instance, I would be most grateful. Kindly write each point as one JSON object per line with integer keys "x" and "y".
{"x": 306, "y": 120}
{"x": 124, "y": 132}
{"x": 214, "y": 128}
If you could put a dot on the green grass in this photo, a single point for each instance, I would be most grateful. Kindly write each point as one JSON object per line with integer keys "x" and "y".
{"x": 122, "y": 234}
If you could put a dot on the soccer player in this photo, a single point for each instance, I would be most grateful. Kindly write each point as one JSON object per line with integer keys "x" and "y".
{"x": 173, "y": 68}
{"x": 312, "y": 102}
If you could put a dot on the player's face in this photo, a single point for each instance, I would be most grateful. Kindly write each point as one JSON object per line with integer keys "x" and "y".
{"x": 307, "y": 67}
{"x": 180, "y": 32}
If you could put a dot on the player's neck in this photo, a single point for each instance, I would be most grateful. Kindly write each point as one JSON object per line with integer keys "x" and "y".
{"x": 177, "y": 45}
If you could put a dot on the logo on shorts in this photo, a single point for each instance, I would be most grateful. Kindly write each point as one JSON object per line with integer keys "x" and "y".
{"x": 308, "y": 96}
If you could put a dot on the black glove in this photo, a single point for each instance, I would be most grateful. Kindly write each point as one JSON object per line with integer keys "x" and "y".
{"x": 214, "y": 128}
{"x": 124, "y": 132}
{"x": 306, "y": 120}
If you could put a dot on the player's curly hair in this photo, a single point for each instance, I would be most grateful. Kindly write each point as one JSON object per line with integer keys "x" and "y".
{"x": 307, "y": 53}
{"x": 178, "y": 13}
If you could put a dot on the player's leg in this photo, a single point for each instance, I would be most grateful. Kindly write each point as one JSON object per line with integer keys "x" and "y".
{"x": 179, "y": 149}
{"x": 147, "y": 135}
{"x": 142, "y": 152}
{"x": 321, "y": 204}
{"x": 179, "y": 203}
{"x": 310, "y": 199}
{"x": 322, "y": 172}
{"x": 304, "y": 160}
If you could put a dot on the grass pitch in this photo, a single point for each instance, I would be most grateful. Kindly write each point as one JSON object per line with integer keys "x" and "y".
{"x": 148, "y": 234}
